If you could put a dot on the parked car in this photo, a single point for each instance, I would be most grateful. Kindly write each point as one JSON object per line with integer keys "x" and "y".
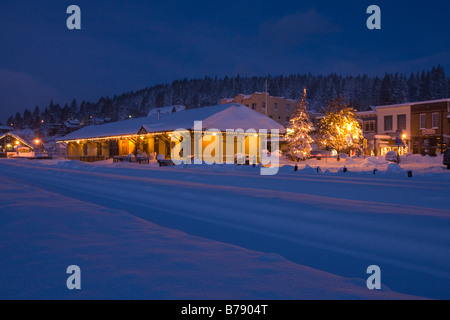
{"x": 446, "y": 159}
{"x": 392, "y": 156}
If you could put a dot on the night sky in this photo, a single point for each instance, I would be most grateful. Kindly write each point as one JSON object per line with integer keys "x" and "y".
{"x": 129, "y": 45}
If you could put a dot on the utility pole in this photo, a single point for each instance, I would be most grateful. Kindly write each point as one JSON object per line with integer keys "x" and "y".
{"x": 266, "y": 100}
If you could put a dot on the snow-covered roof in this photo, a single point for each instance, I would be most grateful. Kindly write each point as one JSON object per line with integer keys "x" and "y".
{"x": 408, "y": 104}
{"x": 238, "y": 116}
{"x": 5, "y": 128}
{"x": 168, "y": 109}
{"x": 222, "y": 117}
{"x": 23, "y": 141}
{"x": 242, "y": 96}
{"x": 72, "y": 124}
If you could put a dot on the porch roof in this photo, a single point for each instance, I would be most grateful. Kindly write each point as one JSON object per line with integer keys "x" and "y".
{"x": 221, "y": 117}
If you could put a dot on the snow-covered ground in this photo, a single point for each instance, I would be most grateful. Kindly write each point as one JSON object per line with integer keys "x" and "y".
{"x": 224, "y": 232}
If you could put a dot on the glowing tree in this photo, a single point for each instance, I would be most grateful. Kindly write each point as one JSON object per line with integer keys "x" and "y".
{"x": 299, "y": 140}
{"x": 338, "y": 129}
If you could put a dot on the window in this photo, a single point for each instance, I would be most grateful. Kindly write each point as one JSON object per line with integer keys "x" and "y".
{"x": 401, "y": 122}
{"x": 387, "y": 123}
{"x": 435, "y": 120}
{"x": 99, "y": 149}
{"x": 288, "y": 107}
{"x": 279, "y": 118}
{"x": 275, "y": 106}
{"x": 254, "y": 106}
{"x": 85, "y": 149}
{"x": 288, "y": 119}
{"x": 369, "y": 126}
{"x": 113, "y": 148}
{"x": 264, "y": 105}
{"x": 423, "y": 121}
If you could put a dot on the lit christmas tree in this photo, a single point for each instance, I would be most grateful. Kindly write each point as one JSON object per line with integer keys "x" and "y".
{"x": 299, "y": 140}
{"x": 338, "y": 129}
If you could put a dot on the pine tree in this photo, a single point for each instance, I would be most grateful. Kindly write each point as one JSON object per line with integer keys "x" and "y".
{"x": 299, "y": 145}
{"x": 338, "y": 129}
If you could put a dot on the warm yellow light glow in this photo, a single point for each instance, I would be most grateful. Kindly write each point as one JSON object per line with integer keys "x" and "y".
{"x": 78, "y": 141}
{"x": 8, "y": 146}
{"x": 37, "y": 141}
{"x": 17, "y": 142}
{"x": 349, "y": 127}
{"x": 404, "y": 136}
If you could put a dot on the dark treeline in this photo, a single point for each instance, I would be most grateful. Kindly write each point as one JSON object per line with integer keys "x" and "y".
{"x": 361, "y": 91}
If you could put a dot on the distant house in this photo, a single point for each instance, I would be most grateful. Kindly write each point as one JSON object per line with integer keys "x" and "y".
{"x": 54, "y": 129}
{"x": 12, "y": 145}
{"x": 63, "y": 128}
{"x": 168, "y": 109}
{"x": 70, "y": 126}
{"x": 5, "y": 129}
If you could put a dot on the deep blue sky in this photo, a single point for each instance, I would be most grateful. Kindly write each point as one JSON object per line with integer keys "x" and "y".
{"x": 128, "y": 45}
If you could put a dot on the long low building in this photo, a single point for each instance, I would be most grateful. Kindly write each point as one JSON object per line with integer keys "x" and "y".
{"x": 153, "y": 135}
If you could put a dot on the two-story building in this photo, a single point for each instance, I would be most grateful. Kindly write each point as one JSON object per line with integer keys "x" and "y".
{"x": 415, "y": 127}
{"x": 279, "y": 109}
{"x": 393, "y": 128}
{"x": 430, "y": 126}
{"x": 368, "y": 121}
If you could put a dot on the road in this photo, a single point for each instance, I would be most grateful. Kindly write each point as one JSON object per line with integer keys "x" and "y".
{"x": 335, "y": 223}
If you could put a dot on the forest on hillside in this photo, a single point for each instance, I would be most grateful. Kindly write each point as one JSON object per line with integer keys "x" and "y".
{"x": 361, "y": 91}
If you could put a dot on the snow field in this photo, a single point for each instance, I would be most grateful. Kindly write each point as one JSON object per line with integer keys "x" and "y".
{"x": 334, "y": 222}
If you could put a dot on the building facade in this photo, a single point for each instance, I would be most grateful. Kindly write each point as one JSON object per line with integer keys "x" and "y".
{"x": 157, "y": 135}
{"x": 430, "y": 126}
{"x": 393, "y": 129}
{"x": 12, "y": 145}
{"x": 368, "y": 121}
{"x": 279, "y": 109}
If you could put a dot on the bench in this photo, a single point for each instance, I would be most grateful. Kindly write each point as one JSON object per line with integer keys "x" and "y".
{"x": 143, "y": 160}
{"x": 131, "y": 159}
{"x": 165, "y": 163}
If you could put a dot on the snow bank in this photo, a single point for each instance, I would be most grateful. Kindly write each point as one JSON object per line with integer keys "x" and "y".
{"x": 377, "y": 161}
